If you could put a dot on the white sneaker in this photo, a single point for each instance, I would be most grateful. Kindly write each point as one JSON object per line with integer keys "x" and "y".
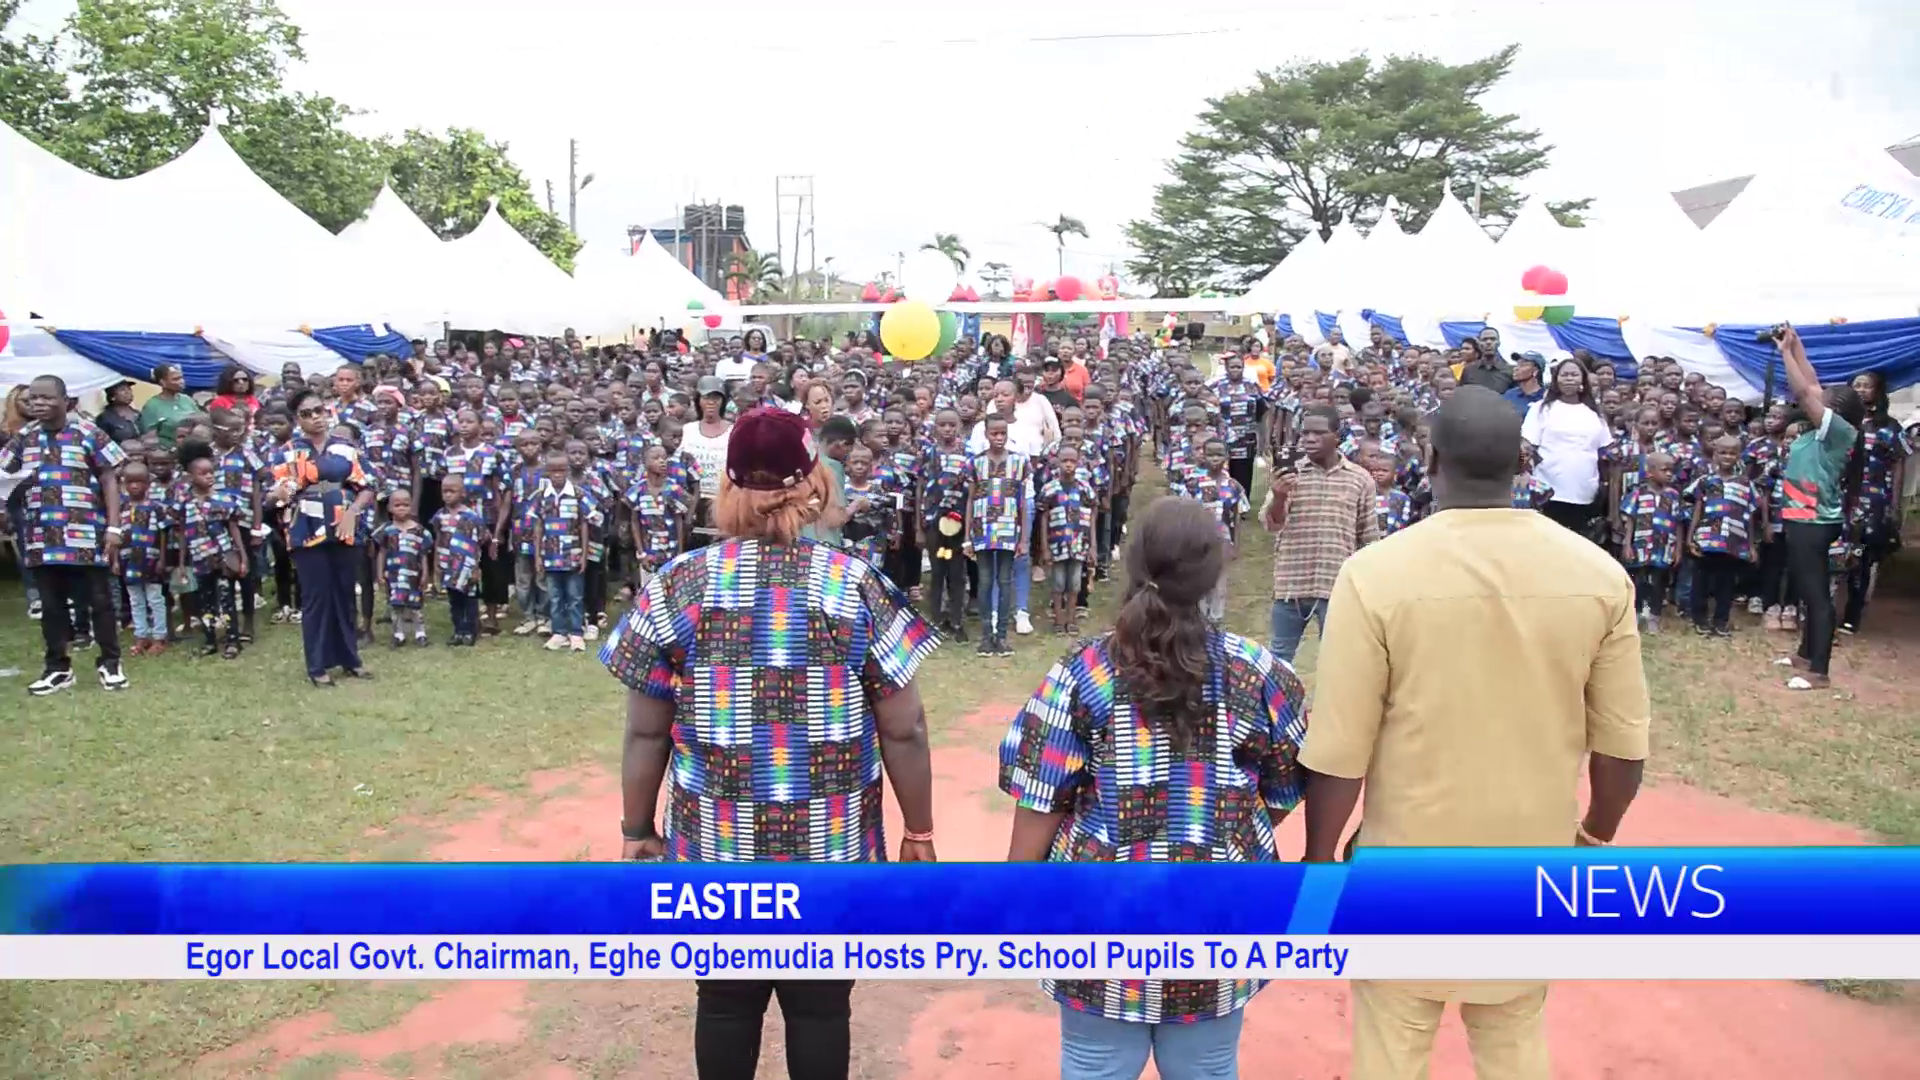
{"x": 113, "y": 678}
{"x": 556, "y": 643}
{"x": 591, "y": 632}
{"x": 543, "y": 627}
{"x": 577, "y": 643}
{"x": 525, "y": 628}
{"x": 1755, "y": 606}
{"x": 51, "y": 683}
{"x": 1022, "y": 624}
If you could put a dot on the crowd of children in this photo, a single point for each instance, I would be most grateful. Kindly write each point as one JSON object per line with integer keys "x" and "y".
{"x": 550, "y": 477}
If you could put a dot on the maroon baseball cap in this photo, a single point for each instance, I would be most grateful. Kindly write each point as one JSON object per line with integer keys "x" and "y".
{"x": 770, "y": 450}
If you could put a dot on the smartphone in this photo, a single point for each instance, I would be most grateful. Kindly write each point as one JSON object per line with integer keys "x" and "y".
{"x": 1288, "y": 462}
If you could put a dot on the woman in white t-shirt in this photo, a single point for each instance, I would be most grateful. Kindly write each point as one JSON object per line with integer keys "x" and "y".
{"x": 706, "y": 439}
{"x": 1567, "y": 435}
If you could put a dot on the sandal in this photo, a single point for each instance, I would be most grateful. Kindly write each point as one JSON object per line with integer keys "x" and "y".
{"x": 1809, "y": 682}
{"x": 209, "y": 650}
{"x": 230, "y": 652}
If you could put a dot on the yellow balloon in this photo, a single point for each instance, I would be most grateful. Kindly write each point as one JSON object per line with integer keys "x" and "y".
{"x": 1528, "y": 311}
{"x": 910, "y": 330}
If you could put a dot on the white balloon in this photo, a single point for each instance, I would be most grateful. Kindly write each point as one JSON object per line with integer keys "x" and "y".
{"x": 928, "y": 276}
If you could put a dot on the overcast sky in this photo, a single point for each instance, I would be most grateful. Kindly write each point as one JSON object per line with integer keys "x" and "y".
{"x": 983, "y": 118}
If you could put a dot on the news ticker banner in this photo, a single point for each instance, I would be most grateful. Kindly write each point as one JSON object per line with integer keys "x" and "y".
{"x": 1390, "y": 913}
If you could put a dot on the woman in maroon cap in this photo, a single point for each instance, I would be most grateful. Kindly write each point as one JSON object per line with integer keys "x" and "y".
{"x": 729, "y": 653}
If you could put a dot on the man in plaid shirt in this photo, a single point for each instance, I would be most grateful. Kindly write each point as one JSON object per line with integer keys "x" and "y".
{"x": 1320, "y": 512}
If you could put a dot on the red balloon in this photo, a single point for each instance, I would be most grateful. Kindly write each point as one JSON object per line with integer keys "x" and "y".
{"x": 973, "y": 295}
{"x": 959, "y": 295}
{"x": 870, "y": 294}
{"x": 1531, "y": 279}
{"x": 712, "y": 321}
{"x": 1042, "y": 290}
{"x": 1068, "y": 288}
{"x": 1552, "y": 283}
{"x": 889, "y": 296}
{"x": 6, "y": 332}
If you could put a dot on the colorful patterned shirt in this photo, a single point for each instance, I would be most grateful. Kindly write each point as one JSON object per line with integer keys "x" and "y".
{"x": 66, "y": 512}
{"x": 1727, "y": 506}
{"x": 1395, "y": 510}
{"x": 143, "y": 548}
{"x": 478, "y": 468}
{"x": 203, "y": 527}
{"x": 1653, "y": 518}
{"x": 659, "y": 517}
{"x": 237, "y": 472}
{"x": 945, "y": 478}
{"x": 868, "y": 533}
{"x": 404, "y": 567}
{"x": 328, "y": 481}
{"x": 388, "y": 449}
{"x": 772, "y": 655}
{"x": 1083, "y": 748}
{"x": 1067, "y": 507}
{"x": 1240, "y": 406}
{"x": 1886, "y": 447}
{"x": 994, "y": 491}
{"x": 554, "y": 531}
{"x": 1530, "y": 492}
{"x": 458, "y": 536}
{"x": 1222, "y": 495}
{"x": 432, "y": 434}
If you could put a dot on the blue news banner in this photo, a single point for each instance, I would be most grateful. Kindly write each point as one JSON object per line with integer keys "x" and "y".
{"x": 1390, "y": 913}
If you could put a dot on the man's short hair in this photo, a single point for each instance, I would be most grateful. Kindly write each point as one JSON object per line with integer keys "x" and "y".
{"x": 839, "y": 429}
{"x": 1476, "y": 435}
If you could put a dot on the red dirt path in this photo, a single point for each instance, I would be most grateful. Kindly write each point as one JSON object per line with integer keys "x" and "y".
{"x": 1651, "y": 1030}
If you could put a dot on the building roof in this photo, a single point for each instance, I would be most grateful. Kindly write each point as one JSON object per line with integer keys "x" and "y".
{"x": 1705, "y": 202}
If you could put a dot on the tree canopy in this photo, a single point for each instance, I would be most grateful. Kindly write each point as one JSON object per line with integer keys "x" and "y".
{"x": 127, "y": 85}
{"x": 1310, "y": 145}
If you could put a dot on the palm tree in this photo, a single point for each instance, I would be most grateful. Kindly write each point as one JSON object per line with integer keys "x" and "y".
{"x": 1061, "y": 229}
{"x": 949, "y": 244}
{"x": 756, "y": 274}
{"x": 996, "y": 274}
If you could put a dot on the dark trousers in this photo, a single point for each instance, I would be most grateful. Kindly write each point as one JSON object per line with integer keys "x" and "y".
{"x": 1807, "y": 545}
{"x": 327, "y": 573}
{"x": 1860, "y": 579}
{"x": 1117, "y": 527}
{"x": 286, "y": 587}
{"x": 244, "y": 591}
{"x": 727, "y": 1021}
{"x": 215, "y": 600}
{"x": 496, "y": 577}
{"x": 947, "y": 593}
{"x": 1773, "y": 573}
{"x": 903, "y": 564}
{"x": 1650, "y": 585}
{"x": 1575, "y": 516}
{"x": 1241, "y": 469}
{"x": 364, "y": 580}
{"x": 594, "y": 599}
{"x": 1713, "y": 583}
{"x": 85, "y": 589}
{"x": 466, "y": 613}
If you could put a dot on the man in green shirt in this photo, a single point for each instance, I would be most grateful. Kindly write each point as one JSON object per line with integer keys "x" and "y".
{"x": 1814, "y": 489}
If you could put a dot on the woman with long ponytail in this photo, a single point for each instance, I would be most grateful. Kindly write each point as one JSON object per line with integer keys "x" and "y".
{"x": 1128, "y": 730}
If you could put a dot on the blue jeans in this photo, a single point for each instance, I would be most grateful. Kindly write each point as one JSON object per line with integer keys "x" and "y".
{"x": 1290, "y": 619}
{"x": 1096, "y": 1048}
{"x": 996, "y": 592}
{"x": 1023, "y": 565}
{"x": 568, "y": 590}
{"x": 149, "y": 610}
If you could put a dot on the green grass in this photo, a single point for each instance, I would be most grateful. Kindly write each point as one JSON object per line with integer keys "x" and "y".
{"x": 204, "y": 759}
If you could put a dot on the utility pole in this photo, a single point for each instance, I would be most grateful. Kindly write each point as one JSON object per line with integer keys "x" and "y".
{"x": 797, "y": 190}
{"x": 550, "y": 209}
{"x": 575, "y": 185}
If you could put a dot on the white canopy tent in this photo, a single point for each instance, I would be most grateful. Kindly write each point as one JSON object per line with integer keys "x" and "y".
{"x": 507, "y": 283}
{"x": 413, "y": 268}
{"x": 674, "y": 283}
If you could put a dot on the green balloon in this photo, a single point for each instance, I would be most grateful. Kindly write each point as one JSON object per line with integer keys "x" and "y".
{"x": 949, "y": 332}
{"x": 1558, "y": 315}
{"x": 695, "y": 305}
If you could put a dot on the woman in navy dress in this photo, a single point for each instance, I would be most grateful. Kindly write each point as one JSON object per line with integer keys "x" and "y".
{"x": 320, "y": 489}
